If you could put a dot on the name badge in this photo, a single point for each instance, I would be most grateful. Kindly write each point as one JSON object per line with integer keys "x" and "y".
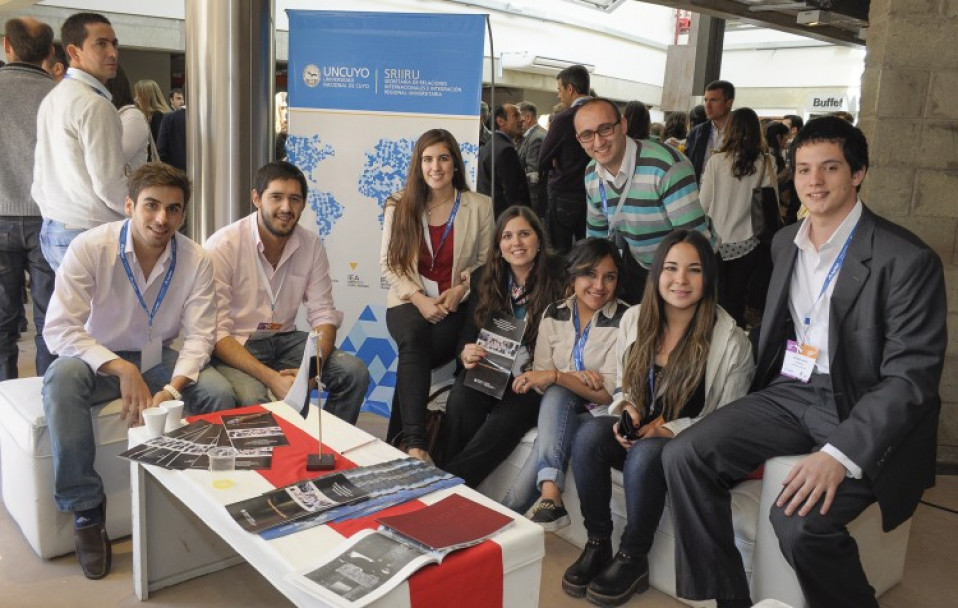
{"x": 151, "y": 355}
{"x": 799, "y": 360}
{"x": 430, "y": 287}
{"x": 266, "y": 330}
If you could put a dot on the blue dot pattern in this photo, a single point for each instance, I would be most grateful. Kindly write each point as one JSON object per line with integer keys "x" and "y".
{"x": 307, "y": 153}
{"x": 384, "y": 172}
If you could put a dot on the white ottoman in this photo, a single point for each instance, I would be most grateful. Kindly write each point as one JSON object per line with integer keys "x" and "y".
{"x": 745, "y": 508}
{"x": 27, "y": 468}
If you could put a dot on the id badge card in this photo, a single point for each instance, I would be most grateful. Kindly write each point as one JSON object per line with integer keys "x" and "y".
{"x": 266, "y": 330}
{"x": 799, "y": 360}
{"x": 151, "y": 355}
{"x": 430, "y": 287}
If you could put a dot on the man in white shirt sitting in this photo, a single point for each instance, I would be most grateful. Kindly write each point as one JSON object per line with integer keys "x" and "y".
{"x": 266, "y": 266}
{"x": 125, "y": 291}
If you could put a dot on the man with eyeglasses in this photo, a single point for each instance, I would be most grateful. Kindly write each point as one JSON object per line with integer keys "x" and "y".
{"x": 709, "y": 136}
{"x": 637, "y": 192}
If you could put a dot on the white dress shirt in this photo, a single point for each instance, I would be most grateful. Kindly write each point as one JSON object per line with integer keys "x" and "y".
{"x": 78, "y": 169}
{"x": 808, "y": 276}
{"x": 95, "y": 312}
{"x": 300, "y": 277}
{"x": 626, "y": 169}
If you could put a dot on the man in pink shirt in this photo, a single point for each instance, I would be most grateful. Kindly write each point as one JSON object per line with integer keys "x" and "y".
{"x": 265, "y": 266}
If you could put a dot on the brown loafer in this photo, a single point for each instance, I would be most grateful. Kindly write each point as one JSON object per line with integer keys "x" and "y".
{"x": 93, "y": 550}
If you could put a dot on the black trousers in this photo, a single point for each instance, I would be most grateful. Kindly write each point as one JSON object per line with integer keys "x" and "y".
{"x": 422, "y": 346}
{"x": 565, "y": 220}
{"x": 703, "y": 462}
{"x": 480, "y": 431}
{"x": 744, "y": 281}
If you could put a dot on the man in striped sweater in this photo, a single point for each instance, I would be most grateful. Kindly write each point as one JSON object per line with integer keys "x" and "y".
{"x": 637, "y": 192}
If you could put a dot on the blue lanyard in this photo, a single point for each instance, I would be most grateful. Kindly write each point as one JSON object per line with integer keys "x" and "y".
{"x": 136, "y": 289}
{"x": 836, "y": 266}
{"x": 580, "y": 338}
{"x": 445, "y": 233}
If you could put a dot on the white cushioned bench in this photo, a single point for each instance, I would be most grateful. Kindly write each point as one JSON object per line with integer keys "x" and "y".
{"x": 770, "y": 576}
{"x": 26, "y": 466}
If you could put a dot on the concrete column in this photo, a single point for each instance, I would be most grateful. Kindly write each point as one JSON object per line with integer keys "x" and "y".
{"x": 909, "y": 115}
{"x": 688, "y": 68}
{"x": 229, "y": 77}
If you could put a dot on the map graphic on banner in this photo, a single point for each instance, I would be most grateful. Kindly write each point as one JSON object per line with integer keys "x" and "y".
{"x": 362, "y": 88}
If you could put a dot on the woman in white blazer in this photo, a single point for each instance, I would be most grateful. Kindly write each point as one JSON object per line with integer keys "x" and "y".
{"x": 435, "y": 233}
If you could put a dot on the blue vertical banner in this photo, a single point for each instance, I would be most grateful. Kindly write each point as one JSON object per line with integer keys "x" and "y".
{"x": 362, "y": 88}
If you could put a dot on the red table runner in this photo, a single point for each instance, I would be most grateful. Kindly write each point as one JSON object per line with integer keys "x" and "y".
{"x": 467, "y": 578}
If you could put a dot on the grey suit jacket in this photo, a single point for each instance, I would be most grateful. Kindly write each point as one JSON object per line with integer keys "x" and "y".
{"x": 887, "y": 340}
{"x": 529, "y": 150}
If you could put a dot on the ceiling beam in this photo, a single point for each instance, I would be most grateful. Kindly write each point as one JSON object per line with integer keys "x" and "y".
{"x": 782, "y": 21}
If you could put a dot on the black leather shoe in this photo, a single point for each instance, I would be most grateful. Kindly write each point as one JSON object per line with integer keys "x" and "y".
{"x": 93, "y": 547}
{"x": 623, "y": 578}
{"x": 595, "y": 556}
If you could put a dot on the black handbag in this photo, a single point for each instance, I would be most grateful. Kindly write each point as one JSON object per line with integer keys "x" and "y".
{"x": 766, "y": 216}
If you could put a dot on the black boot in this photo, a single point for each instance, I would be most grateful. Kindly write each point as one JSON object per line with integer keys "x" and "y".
{"x": 595, "y": 556}
{"x": 625, "y": 576}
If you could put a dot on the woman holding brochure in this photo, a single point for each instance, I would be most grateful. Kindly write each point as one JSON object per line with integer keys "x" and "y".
{"x": 680, "y": 357}
{"x": 520, "y": 278}
{"x": 435, "y": 232}
{"x": 574, "y": 369}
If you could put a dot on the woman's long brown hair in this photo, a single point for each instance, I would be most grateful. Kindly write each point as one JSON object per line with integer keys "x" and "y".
{"x": 686, "y": 366}
{"x": 545, "y": 280}
{"x": 744, "y": 141}
{"x": 406, "y": 237}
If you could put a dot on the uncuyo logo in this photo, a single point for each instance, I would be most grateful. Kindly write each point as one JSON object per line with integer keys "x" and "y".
{"x": 311, "y": 75}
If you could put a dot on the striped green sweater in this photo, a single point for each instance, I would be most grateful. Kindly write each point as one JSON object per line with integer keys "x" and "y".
{"x": 664, "y": 197}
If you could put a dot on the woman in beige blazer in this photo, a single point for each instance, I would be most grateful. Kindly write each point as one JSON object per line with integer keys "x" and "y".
{"x": 435, "y": 232}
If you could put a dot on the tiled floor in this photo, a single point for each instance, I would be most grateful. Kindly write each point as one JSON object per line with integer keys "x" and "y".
{"x": 27, "y": 581}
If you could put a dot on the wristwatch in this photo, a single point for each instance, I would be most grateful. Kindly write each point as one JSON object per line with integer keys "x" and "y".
{"x": 173, "y": 392}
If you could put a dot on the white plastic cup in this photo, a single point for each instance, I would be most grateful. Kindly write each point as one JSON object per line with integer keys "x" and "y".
{"x": 174, "y": 414}
{"x": 222, "y": 465}
{"x": 155, "y": 419}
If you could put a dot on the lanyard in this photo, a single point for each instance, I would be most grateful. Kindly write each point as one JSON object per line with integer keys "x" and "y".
{"x": 580, "y": 339}
{"x": 651, "y": 410}
{"x": 445, "y": 233}
{"x": 129, "y": 275}
{"x": 832, "y": 272}
{"x": 614, "y": 220}
{"x": 96, "y": 90}
{"x": 273, "y": 297}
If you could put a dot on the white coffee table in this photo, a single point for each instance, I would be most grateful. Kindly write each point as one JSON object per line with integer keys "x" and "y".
{"x": 181, "y": 529}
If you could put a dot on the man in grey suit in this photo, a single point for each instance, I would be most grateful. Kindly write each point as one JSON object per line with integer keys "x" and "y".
{"x": 849, "y": 361}
{"x": 532, "y": 136}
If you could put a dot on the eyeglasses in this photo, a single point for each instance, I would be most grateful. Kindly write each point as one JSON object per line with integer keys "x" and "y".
{"x": 603, "y": 131}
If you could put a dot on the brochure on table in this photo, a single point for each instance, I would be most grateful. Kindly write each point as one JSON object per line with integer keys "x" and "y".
{"x": 373, "y": 562}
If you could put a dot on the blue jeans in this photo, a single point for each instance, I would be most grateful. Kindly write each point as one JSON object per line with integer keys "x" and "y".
{"x": 20, "y": 251}
{"x": 55, "y": 239}
{"x": 594, "y": 453}
{"x": 560, "y": 414}
{"x": 71, "y": 388}
{"x": 344, "y": 377}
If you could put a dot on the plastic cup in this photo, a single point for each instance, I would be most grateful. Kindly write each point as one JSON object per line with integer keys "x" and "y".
{"x": 174, "y": 414}
{"x": 222, "y": 465}
{"x": 155, "y": 419}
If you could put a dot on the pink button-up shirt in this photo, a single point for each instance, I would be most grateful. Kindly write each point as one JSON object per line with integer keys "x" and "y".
{"x": 242, "y": 298}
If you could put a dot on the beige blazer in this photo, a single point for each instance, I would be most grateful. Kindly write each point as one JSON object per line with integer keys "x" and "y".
{"x": 472, "y": 231}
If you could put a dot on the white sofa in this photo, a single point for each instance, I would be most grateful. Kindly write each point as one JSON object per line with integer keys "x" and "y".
{"x": 26, "y": 466}
{"x": 770, "y": 576}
